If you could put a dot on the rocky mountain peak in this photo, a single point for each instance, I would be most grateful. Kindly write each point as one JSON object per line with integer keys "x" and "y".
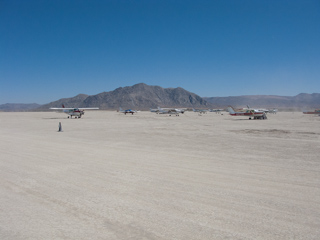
{"x": 139, "y": 96}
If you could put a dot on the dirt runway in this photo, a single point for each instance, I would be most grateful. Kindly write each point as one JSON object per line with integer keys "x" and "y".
{"x": 148, "y": 176}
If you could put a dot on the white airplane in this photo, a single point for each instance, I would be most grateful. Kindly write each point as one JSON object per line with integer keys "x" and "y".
{"x": 156, "y": 110}
{"x": 168, "y": 111}
{"x": 261, "y": 109}
{"x": 274, "y": 111}
{"x": 216, "y": 110}
{"x": 76, "y": 112}
{"x": 127, "y": 111}
{"x": 178, "y": 110}
{"x": 200, "y": 111}
{"x": 256, "y": 114}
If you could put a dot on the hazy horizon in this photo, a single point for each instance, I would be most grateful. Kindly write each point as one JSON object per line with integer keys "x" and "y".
{"x": 152, "y": 85}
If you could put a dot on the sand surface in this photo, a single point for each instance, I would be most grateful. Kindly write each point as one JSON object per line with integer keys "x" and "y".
{"x": 149, "y": 176}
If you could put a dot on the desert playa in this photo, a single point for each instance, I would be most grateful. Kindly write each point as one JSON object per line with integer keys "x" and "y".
{"x": 148, "y": 176}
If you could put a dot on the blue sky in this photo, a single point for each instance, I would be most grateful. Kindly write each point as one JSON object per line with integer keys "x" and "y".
{"x": 51, "y": 49}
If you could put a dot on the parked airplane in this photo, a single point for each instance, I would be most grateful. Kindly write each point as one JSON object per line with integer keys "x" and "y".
{"x": 256, "y": 114}
{"x": 178, "y": 110}
{"x": 159, "y": 110}
{"x": 169, "y": 111}
{"x": 76, "y": 112}
{"x": 274, "y": 111}
{"x": 173, "y": 110}
{"x": 200, "y": 111}
{"x": 156, "y": 110}
{"x": 317, "y": 111}
{"x": 216, "y": 110}
{"x": 127, "y": 111}
{"x": 259, "y": 109}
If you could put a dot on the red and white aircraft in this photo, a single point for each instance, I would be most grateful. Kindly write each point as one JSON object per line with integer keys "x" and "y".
{"x": 251, "y": 113}
{"x": 76, "y": 112}
{"x": 317, "y": 111}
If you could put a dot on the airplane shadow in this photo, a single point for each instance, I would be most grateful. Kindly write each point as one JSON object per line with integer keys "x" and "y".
{"x": 55, "y": 118}
{"x": 243, "y": 119}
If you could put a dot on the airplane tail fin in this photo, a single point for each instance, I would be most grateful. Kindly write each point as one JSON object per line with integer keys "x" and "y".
{"x": 230, "y": 109}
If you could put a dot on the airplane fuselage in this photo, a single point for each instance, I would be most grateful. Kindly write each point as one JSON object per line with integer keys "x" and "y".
{"x": 256, "y": 114}
{"x": 317, "y": 111}
{"x": 74, "y": 112}
{"x": 247, "y": 113}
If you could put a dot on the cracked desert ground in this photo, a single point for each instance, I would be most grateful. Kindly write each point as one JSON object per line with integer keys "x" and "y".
{"x": 148, "y": 176}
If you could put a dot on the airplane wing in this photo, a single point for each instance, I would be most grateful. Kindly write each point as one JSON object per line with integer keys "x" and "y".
{"x": 74, "y": 108}
{"x": 172, "y": 111}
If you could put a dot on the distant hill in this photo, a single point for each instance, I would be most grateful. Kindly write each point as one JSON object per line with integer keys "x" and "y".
{"x": 18, "y": 107}
{"x": 140, "y": 96}
{"x": 76, "y": 101}
{"x": 302, "y": 100}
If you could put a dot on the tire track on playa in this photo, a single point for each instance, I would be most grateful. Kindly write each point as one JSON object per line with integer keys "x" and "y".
{"x": 83, "y": 214}
{"x": 111, "y": 176}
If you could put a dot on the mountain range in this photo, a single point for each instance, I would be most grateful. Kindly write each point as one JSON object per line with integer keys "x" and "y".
{"x": 18, "y": 106}
{"x": 142, "y": 97}
{"x": 298, "y": 102}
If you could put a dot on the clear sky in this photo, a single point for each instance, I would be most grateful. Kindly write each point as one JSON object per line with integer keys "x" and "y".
{"x": 51, "y": 49}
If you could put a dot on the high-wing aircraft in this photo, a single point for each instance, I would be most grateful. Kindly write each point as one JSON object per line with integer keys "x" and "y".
{"x": 76, "y": 112}
{"x": 216, "y": 110}
{"x": 173, "y": 110}
{"x": 127, "y": 111}
{"x": 169, "y": 111}
{"x": 251, "y": 113}
{"x": 317, "y": 111}
{"x": 200, "y": 111}
{"x": 274, "y": 111}
{"x": 156, "y": 110}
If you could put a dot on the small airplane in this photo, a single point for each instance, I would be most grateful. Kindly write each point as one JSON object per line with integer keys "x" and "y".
{"x": 216, "y": 110}
{"x": 127, "y": 111}
{"x": 200, "y": 111}
{"x": 168, "y": 111}
{"x": 256, "y": 114}
{"x": 274, "y": 111}
{"x": 156, "y": 110}
{"x": 76, "y": 112}
{"x": 317, "y": 111}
